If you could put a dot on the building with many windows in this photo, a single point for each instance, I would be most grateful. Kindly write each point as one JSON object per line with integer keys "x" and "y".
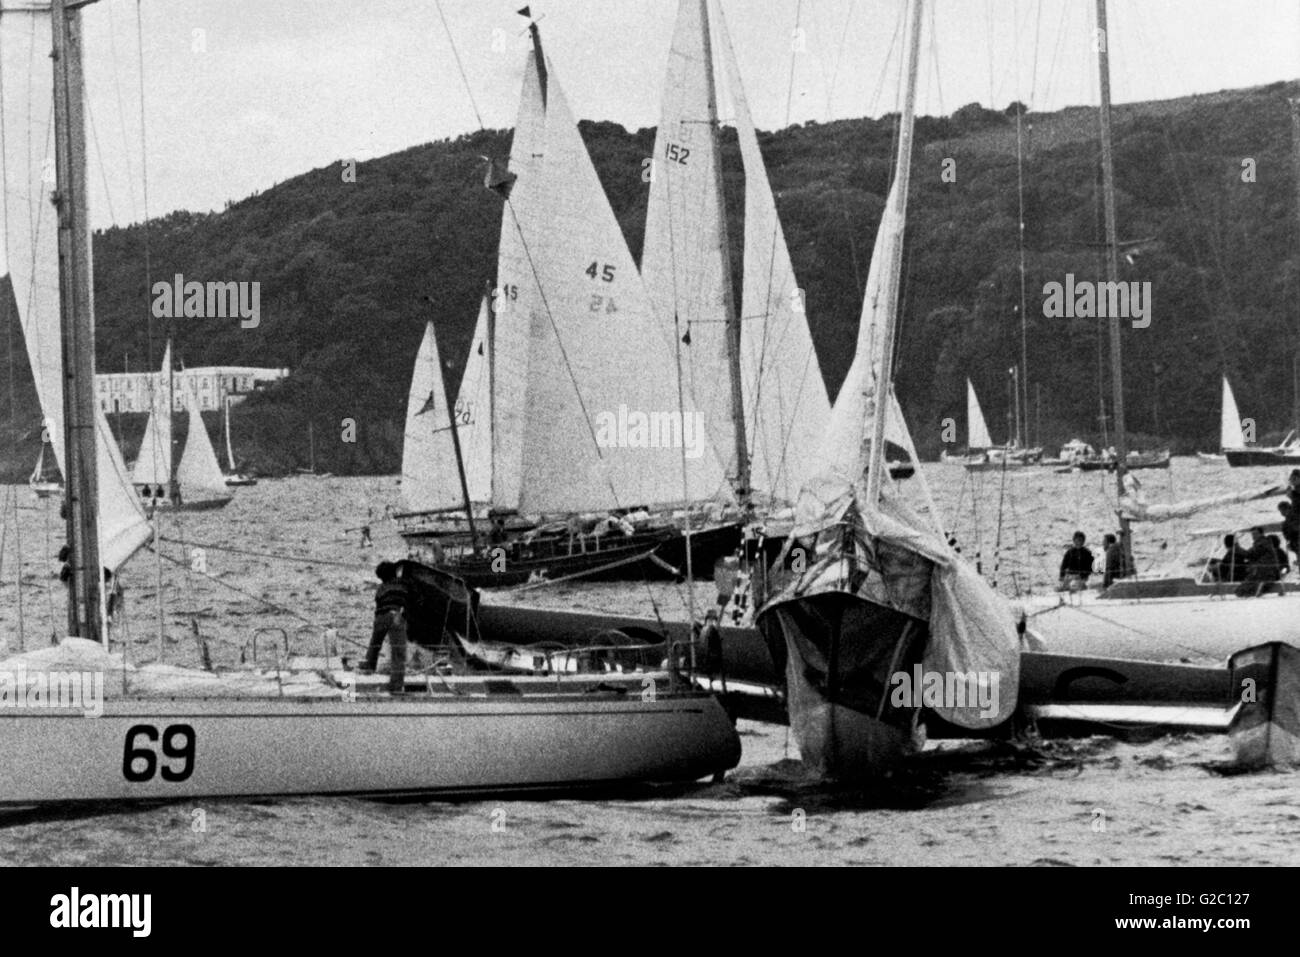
{"x": 131, "y": 391}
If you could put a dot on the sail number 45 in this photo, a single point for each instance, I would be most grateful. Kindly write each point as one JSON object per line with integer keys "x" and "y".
{"x": 140, "y": 763}
{"x": 605, "y": 273}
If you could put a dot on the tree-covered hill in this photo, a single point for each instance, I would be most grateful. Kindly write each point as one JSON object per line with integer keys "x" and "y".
{"x": 344, "y": 268}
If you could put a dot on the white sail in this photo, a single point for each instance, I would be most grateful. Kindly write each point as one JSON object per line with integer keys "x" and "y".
{"x": 199, "y": 470}
{"x": 153, "y": 464}
{"x": 230, "y": 449}
{"x": 33, "y": 266}
{"x": 429, "y": 477}
{"x": 684, "y": 262}
{"x": 518, "y": 297}
{"x": 1230, "y": 434}
{"x": 787, "y": 408}
{"x": 602, "y": 393}
{"x": 474, "y": 411}
{"x": 977, "y": 429}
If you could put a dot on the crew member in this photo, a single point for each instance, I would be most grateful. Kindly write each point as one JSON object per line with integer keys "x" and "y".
{"x": 1076, "y": 565}
{"x": 1117, "y": 561}
{"x": 391, "y": 602}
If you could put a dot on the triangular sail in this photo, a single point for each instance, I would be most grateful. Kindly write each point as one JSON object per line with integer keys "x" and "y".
{"x": 977, "y": 429}
{"x": 605, "y": 427}
{"x": 1230, "y": 434}
{"x": 429, "y": 477}
{"x": 230, "y": 449}
{"x": 153, "y": 464}
{"x": 684, "y": 263}
{"x": 474, "y": 412}
{"x": 517, "y": 295}
{"x": 787, "y": 408}
{"x": 199, "y": 470}
{"x": 32, "y": 243}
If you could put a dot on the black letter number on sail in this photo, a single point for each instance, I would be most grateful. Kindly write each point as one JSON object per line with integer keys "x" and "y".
{"x": 140, "y": 762}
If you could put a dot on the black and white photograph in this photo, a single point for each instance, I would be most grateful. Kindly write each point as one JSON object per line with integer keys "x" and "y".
{"x": 608, "y": 433}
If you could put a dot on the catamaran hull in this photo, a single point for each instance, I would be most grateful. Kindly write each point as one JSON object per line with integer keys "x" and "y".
{"x": 1248, "y": 458}
{"x": 176, "y": 748}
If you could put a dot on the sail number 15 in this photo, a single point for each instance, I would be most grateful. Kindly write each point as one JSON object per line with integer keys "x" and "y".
{"x": 140, "y": 763}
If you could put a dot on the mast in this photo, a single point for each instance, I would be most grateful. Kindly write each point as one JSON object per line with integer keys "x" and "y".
{"x": 537, "y": 49}
{"x": 730, "y": 315}
{"x": 902, "y": 175}
{"x": 77, "y": 320}
{"x": 173, "y": 486}
{"x": 1295, "y": 356}
{"x": 1112, "y": 273}
{"x": 489, "y": 343}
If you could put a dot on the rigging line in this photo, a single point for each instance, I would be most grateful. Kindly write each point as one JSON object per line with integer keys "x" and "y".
{"x": 304, "y": 559}
{"x": 103, "y": 167}
{"x": 121, "y": 110}
{"x": 1033, "y": 76}
{"x": 839, "y": 58}
{"x": 459, "y": 66}
{"x": 1022, "y": 385}
{"x": 889, "y": 55}
{"x": 10, "y": 296}
{"x": 235, "y": 588}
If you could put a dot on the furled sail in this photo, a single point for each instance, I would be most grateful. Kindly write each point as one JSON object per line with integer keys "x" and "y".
{"x": 976, "y": 428}
{"x": 518, "y": 297}
{"x": 429, "y": 477}
{"x": 1133, "y": 504}
{"x": 33, "y": 266}
{"x": 153, "y": 464}
{"x": 1230, "y": 434}
{"x": 474, "y": 411}
{"x": 605, "y": 427}
{"x": 786, "y": 405}
{"x": 199, "y": 470}
{"x": 684, "y": 264}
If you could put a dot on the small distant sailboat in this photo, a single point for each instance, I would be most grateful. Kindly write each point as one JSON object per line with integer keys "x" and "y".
{"x": 197, "y": 484}
{"x": 1233, "y": 440}
{"x": 982, "y": 455}
{"x": 45, "y": 481}
{"x": 234, "y": 478}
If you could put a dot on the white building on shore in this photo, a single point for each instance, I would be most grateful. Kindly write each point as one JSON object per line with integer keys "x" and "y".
{"x": 131, "y": 391}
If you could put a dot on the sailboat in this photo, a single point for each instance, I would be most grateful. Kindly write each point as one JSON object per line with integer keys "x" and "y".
{"x": 1232, "y": 441}
{"x": 44, "y": 481}
{"x": 883, "y": 593}
{"x": 982, "y": 454}
{"x": 234, "y": 478}
{"x": 580, "y": 454}
{"x": 197, "y": 484}
{"x": 163, "y": 732}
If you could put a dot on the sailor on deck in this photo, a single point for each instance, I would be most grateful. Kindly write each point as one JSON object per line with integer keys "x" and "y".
{"x": 391, "y": 602}
{"x": 1076, "y": 565}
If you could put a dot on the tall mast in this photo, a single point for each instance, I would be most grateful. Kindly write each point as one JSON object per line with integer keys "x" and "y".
{"x": 455, "y": 435}
{"x": 1112, "y": 270}
{"x": 902, "y": 174}
{"x": 1295, "y": 152}
{"x": 77, "y": 321}
{"x": 537, "y": 49}
{"x": 730, "y": 315}
{"x": 489, "y": 343}
{"x": 173, "y": 486}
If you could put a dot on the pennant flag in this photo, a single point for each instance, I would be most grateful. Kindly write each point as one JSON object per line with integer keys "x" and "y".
{"x": 499, "y": 179}
{"x": 525, "y": 12}
{"x": 428, "y": 405}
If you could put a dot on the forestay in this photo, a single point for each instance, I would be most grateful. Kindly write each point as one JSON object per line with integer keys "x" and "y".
{"x": 31, "y": 241}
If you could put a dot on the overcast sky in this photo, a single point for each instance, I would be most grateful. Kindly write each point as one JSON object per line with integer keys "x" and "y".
{"x": 241, "y": 94}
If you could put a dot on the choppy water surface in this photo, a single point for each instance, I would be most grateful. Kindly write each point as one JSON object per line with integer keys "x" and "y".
{"x": 286, "y": 555}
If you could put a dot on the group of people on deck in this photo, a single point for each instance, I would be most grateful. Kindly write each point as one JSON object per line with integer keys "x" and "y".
{"x": 1077, "y": 564}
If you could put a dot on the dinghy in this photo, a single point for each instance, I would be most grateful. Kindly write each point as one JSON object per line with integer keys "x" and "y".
{"x": 163, "y": 732}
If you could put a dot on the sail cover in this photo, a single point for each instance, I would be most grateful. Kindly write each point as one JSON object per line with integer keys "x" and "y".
{"x": 32, "y": 244}
{"x": 429, "y": 477}
{"x": 684, "y": 264}
{"x": 153, "y": 465}
{"x": 1230, "y": 434}
{"x": 787, "y": 409}
{"x": 977, "y": 429}
{"x": 606, "y": 424}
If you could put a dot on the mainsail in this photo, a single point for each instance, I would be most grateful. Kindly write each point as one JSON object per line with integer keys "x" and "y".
{"x": 976, "y": 428}
{"x": 684, "y": 264}
{"x": 604, "y": 425}
{"x": 32, "y": 244}
{"x": 199, "y": 470}
{"x": 429, "y": 478}
{"x": 1230, "y": 434}
{"x": 474, "y": 410}
{"x": 153, "y": 465}
{"x": 786, "y": 405}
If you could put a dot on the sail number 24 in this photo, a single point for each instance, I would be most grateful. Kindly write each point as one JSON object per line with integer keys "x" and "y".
{"x": 140, "y": 762}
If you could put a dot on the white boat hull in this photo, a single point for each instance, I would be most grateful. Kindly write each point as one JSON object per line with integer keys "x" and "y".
{"x": 450, "y": 745}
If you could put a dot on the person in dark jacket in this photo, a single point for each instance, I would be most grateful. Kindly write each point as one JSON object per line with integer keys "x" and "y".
{"x": 1076, "y": 565}
{"x": 1232, "y": 566}
{"x": 392, "y": 599}
{"x": 1262, "y": 566}
{"x": 1117, "y": 564}
{"x": 1290, "y": 525}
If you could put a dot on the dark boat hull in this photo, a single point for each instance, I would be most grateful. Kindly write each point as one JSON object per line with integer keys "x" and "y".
{"x": 658, "y": 554}
{"x": 1249, "y": 458}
